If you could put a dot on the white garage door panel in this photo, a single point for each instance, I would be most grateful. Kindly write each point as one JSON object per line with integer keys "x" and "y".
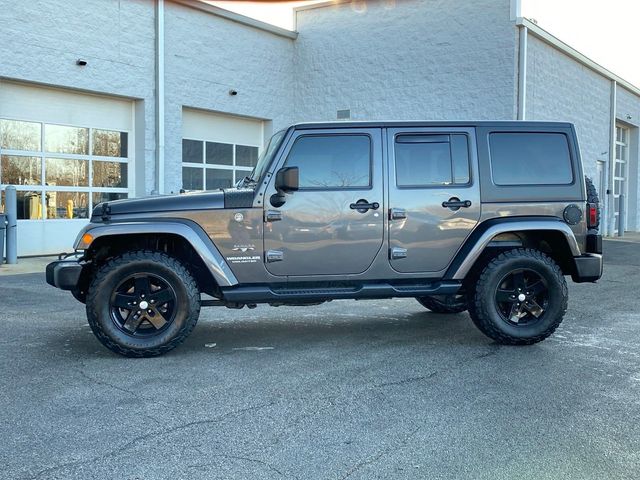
{"x": 215, "y": 127}
{"x": 51, "y": 106}
{"x": 26, "y": 102}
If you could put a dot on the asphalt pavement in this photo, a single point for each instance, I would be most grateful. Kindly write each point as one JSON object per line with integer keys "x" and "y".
{"x": 359, "y": 390}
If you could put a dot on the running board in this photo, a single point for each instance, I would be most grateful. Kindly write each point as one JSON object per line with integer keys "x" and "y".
{"x": 265, "y": 294}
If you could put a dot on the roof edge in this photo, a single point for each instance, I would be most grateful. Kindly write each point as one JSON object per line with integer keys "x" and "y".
{"x": 237, "y": 17}
{"x": 554, "y": 41}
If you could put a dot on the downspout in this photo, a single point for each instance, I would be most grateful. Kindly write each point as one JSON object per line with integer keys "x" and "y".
{"x": 159, "y": 96}
{"x": 522, "y": 73}
{"x": 612, "y": 161}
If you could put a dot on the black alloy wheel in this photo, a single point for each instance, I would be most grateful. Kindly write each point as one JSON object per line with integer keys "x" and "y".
{"x": 143, "y": 304}
{"x": 522, "y": 297}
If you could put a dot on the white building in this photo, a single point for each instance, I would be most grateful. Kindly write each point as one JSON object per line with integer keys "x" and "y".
{"x": 153, "y": 110}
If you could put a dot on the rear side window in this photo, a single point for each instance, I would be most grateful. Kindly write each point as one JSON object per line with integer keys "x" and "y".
{"x": 521, "y": 158}
{"x": 332, "y": 161}
{"x": 431, "y": 160}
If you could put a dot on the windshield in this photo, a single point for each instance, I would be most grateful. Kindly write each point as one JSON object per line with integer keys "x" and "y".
{"x": 266, "y": 156}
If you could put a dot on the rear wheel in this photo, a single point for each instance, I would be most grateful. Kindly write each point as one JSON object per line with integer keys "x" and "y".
{"x": 142, "y": 304}
{"x": 444, "y": 303}
{"x": 520, "y": 297}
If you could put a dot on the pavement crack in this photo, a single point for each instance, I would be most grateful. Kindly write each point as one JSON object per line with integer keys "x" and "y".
{"x": 147, "y": 436}
{"x": 405, "y": 381}
{"x": 380, "y": 454}
{"x": 241, "y": 458}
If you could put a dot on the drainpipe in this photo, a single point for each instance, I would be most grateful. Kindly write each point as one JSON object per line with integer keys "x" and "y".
{"x": 612, "y": 161}
{"x": 522, "y": 73}
{"x": 160, "y": 96}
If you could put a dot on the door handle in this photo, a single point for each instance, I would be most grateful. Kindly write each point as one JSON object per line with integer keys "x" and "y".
{"x": 363, "y": 206}
{"x": 454, "y": 203}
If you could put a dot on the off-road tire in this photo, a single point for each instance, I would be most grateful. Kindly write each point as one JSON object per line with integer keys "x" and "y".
{"x": 592, "y": 197}
{"x": 444, "y": 303}
{"x": 108, "y": 276}
{"x": 484, "y": 311}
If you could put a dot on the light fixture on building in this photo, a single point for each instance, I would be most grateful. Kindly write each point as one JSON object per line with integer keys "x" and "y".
{"x": 629, "y": 117}
{"x": 80, "y": 62}
{"x": 233, "y": 92}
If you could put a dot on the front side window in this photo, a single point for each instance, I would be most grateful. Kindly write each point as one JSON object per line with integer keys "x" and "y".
{"x": 530, "y": 158}
{"x": 431, "y": 160}
{"x": 332, "y": 161}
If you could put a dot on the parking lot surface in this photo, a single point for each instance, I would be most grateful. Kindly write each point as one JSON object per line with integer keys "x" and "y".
{"x": 359, "y": 390}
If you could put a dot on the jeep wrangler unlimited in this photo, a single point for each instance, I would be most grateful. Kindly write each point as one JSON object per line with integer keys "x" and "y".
{"x": 487, "y": 217}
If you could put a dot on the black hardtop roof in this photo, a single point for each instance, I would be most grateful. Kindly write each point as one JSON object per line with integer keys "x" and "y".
{"x": 428, "y": 123}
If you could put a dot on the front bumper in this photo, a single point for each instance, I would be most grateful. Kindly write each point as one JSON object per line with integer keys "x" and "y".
{"x": 588, "y": 268}
{"x": 65, "y": 273}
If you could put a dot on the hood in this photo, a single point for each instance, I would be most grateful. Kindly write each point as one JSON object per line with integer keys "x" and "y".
{"x": 163, "y": 203}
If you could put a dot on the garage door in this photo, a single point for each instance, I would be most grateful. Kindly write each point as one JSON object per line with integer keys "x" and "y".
{"x": 218, "y": 149}
{"x": 65, "y": 152}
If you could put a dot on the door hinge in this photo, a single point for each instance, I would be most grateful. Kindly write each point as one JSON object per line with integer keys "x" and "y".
{"x": 274, "y": 256}
{"x": 272, "y": 215}
{"x": 397, "y": 213}
{"x": 397, "y": 253}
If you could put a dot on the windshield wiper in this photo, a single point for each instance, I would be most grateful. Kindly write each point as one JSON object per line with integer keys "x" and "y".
{"x": 247, "y": 181}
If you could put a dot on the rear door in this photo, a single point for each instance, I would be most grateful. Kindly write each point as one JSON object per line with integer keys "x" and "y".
{"x": 334, "y": 224}
{"x": 434, "y": 196}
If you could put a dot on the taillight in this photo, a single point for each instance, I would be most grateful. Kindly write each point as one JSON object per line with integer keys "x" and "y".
{"x": 592, "y": 215}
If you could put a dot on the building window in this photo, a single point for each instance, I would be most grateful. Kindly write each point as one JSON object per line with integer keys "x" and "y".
{"x": 620, "y": 167}
{"x": 213, "y": 165}
{"x": 62, "y": 171}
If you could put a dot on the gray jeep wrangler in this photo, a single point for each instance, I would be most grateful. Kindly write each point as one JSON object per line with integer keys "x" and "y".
{"x": 487, "y": 217}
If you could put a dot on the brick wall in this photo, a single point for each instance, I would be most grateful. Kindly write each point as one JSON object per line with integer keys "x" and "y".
{"x": 427, "y": 60}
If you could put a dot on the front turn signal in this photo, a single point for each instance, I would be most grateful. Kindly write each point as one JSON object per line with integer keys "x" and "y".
{"x": 85, "y": 241}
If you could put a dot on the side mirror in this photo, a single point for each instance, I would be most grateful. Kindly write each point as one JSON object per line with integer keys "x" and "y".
{"x": 287, "y": 179}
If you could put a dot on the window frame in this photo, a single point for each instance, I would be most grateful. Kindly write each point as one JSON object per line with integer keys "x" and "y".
{"x": 204, "y": 166}
{"x": 336, "y": 134}
{"x": 42, "y": 189}
{"x": 524, "y": 185}
{"x": 453, "y": 184}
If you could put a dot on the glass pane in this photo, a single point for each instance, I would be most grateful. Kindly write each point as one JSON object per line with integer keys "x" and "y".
{"x": 618, "y": 134}
{"x": 17, "y": 135}
{"x": 29, "y": 205}
{"x": 15, "y": 170}
{"x": 110, "y": 174}
{"x": 623, "y": 135}
{"x": 219, "y": 153}
{"x": 66, "y": 172}
{"x": 61, "y": 139}
{"x": 99, "y": 197}
{"x": 67, "y": 204}
{"x": 219, "y": 178}
{"x": 246, "y": 156}
{"x": 423, "y": 164}
{"x": 530, "y": 159}
{"x": 192, "y": 178}
{"x": 332, "y": 161}
{"x": 192, "y": 151}
{"x": 109, "y": 143}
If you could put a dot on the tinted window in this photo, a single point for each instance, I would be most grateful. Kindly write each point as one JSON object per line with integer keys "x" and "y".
{"x": 431, "y": 160}
{"x": 530, "y": 159}
{"x": 246, "y": 156}
{"x": 192, "y": 151}
{"x": 332, "y": 161}
{"x": 219, "y": 153}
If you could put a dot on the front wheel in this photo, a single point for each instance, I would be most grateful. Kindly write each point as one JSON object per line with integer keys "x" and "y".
{"x": 142, "y": 303}
{"x": 520, "y": 297}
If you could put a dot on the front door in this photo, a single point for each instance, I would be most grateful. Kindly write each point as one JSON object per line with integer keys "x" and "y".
{"x": 434, "y": 196}
{"x": 334, "y": 224}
